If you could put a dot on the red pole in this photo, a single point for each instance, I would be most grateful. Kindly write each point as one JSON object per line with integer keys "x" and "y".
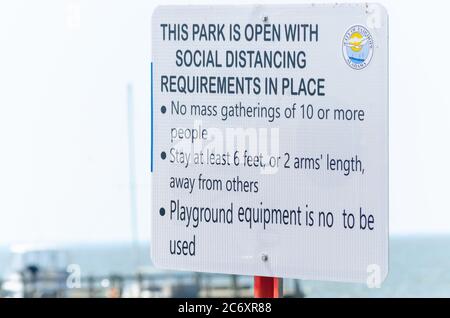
{"x": 267, "y": 287}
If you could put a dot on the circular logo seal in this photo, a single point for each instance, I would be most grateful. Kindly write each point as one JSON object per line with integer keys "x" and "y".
{"x": 357, "y": 47}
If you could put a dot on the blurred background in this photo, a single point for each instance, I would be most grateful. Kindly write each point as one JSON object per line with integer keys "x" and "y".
{"x": 75, "y": 178}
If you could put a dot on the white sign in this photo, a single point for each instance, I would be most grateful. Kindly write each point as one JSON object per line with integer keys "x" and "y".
{"x": 270, "y": 140}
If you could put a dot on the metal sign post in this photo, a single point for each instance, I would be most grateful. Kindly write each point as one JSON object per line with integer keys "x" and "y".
{"x": 268, "y": 287}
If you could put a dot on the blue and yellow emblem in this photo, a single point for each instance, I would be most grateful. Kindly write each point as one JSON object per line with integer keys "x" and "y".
{"x": 357, "y": 47}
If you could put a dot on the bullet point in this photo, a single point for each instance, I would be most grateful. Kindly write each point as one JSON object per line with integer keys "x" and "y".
{"x": 162, "y": 211}
{"x": 163, "y": 109}
{"x": 163, "y": 155}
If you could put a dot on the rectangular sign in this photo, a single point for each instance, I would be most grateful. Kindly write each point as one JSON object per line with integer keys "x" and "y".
{"x": 270, "y": 140}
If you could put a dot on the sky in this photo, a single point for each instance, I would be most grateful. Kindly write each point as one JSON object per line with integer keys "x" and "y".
{"x": 64, "y": 71}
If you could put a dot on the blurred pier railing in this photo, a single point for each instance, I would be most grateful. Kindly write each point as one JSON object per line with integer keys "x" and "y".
{"x": 145, "y": 285}
{"x": 138, "y": 285}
